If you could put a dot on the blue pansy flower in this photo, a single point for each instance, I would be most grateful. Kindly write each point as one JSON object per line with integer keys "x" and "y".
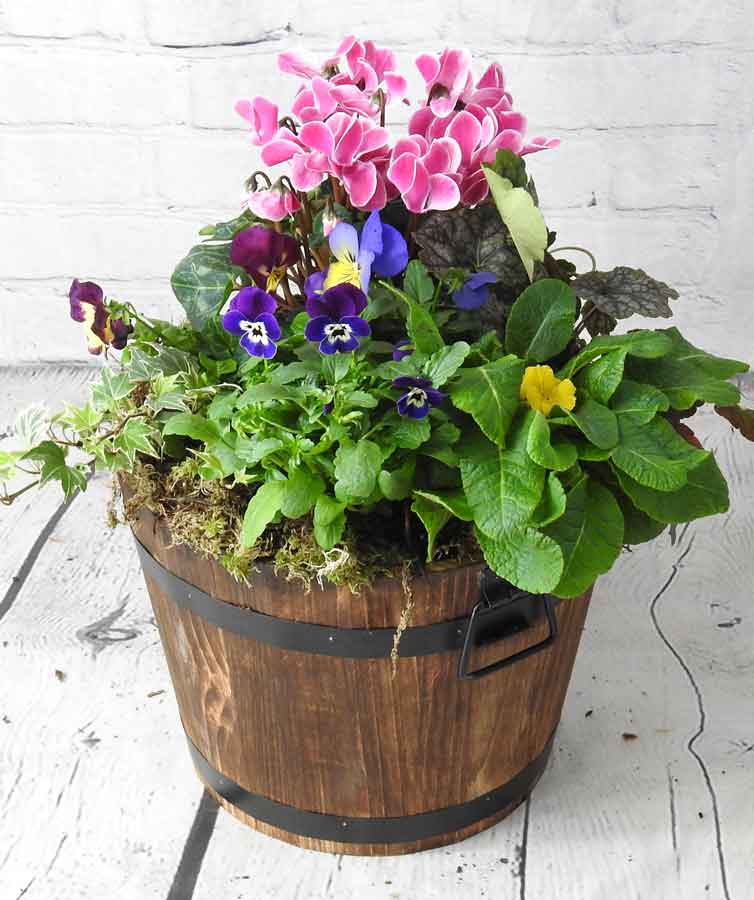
{"x": 418, "y": 396}
{"x": 335, "y": 323}
{"x": 251, "y": 315}
{"x": 402, "y": 349}
{"x": 474, "y": 291}
{"x": 381, "y": 249}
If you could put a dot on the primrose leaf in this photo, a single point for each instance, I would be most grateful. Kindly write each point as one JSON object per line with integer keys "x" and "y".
{"x": 654, "y": 454}
{"x": 596, "y": 422}
{"x": 525, "y": 557}
{"x": 553, "y": 502}
{"x": 329, "y": 521}
{"x": 202, "y": 282}
{"x": 356, "y": 469}
{"x": 262, "y": 509}
{"x": 590, "y": 535}
{"x": 603, "y": 376}
{"x": 443, "y": 364}
{"x": 640, "y": 402}
{"x": 541, "y": 321}
{"x": 624, "y": 292}
{"x": 454, "y": 501}
{"x": 490, "y": 394}
{"x": 433, "y": 517}
{"x": 510, "y": 165}
{"x": 558, "y": 455}
{"x": 645, "y": 344}
{"x": 522, "y": 218}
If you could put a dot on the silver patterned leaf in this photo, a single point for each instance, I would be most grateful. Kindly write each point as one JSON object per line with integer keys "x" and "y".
{"x": 624, "y": 292}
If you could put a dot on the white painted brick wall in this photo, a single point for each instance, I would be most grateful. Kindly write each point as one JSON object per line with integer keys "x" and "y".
{"x": 118, "y": 138}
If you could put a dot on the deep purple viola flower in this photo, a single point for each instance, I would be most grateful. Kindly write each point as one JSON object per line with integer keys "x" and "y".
{"x": 251, "y": 315}
{"x": 335, "y": 323}
{"x": 88, "y": 306}
{"x": 265, "y": 254}
{"x": 418, "y": 396}
{"x": 402, "y": 349}
{"x": 475, "y": 291}
{"x": 314, "y": 284}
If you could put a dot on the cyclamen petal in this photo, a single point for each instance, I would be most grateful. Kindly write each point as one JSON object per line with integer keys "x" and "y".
{"x": 293, "y": 63}
{"x": 263, "y": 117}
{"x": 273, "y": 205}
{"x": 443, "y": 192}
{"x": 360, "y": 180}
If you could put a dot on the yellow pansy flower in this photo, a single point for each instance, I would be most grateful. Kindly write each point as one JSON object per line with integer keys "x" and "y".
{"x": 542, "y": 390}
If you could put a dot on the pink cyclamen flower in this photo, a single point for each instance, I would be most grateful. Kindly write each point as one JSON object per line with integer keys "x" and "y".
{"x": 426, "y": 174}
{"x": 273, "y": 204}
{"x": 262, "y": 116}
{"x": 447, "y": 76}
{"x": 369, "y": 66}
{"x": 293, "y": 63}
{"x": 323, "y": 98}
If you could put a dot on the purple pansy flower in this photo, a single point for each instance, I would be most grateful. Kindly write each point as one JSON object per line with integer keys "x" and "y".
{"x": 314, "y": 284}
{"x": 401, "y": 349}
{"x": 380, "y": 248}
{"x": 251, "y": 315}
{"x": 88, "y": 306}
{"x": 265, "y": 254}
{"x": 335, "y": 323}
{"x": 474, "y": 291}
{"x": 418, "y": 396}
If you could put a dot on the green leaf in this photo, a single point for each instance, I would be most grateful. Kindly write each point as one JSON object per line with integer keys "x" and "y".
{"x": 503, "y": 486}
{"x": 625, "y": 292}
{"x": 417, "y": 283}
{"x": 522, "y": 218}
{"x": 540, "y": 324}
{"x": 602, "y": 377}
{"x": 396, "y": 485}
{"x": 262, "y": 509}
{"x": 222, "y": 406}
{"x": 490, "y": 393}
{"x": 558, "y": 456}
{"x": 433, "y": 518}
{"x": 266, "y": 392}
{"x": 329, "y": 521}
{"x": 553, "y": 502}
{"x": 361, "y": 400}
{"x": 295, "y": 371}
{"x": 251, "y": 451}
{"x": 193, "y": 426}
{"x": 301, "y": 492}
{"x": 687, "y": 374}
{"x": 422, "y": 330}
{"x": 704, "y": 494}
{"x": 82, "y": 419}
{"x": 654, "y": 454}
{"x": 443, "y": 364}
{"x": 54, "y": 468}
{"x": 111, "y": 389}
{"x": 596, "y": 422}
{"x": 645, "y": 344}
{"x": 405, "y": 432}
{"x": 638, "y": 527}
{"x": 137, "y": 436}
{"x": 525, "y": 557}
{"x": 202, "y": 282}
{"x": 356, "y": 469}
{"x": 166, "y": 361}
{"x": 336, "y": 367}
{"x": 510, "y": 165}
{"x": 639, "y": 402}
{"x": 440, "y": 444}
{"x": 454, "y": 501}
{"x": 590, "y": 534}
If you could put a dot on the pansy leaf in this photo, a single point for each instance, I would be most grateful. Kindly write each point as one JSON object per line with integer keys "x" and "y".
{"x": 422, "y": 330}
{"x": 503, "y": 486}
{"x": 396, "y": 485}
{"x": 302, "y": 489}
{"x": 405, "y": 432}
{"x": 602, "y": 377}
{"x": 522, "y": 218}
{"x": 202, "y": 282}
{"x": 443, "y": 364}
{"x": 740, "y": 418}
{"x": 440, "y": 445}
{"x": 557, "y": 455}
{"x": 262, "y": 509}
{"x": 624, "y": 292}
{"x": 433, "y": 517}
{"x": 705, "y": 493}
{"x": 417, "y": 283}
{"x": 590, "y": 535}
{"x": 654, "y": 454}
{"x": 250, "y": 452}
{"x": 356, "y": 469}
{"x": 525, "y": 557}
{"x": 329, "y": 521}
{"x": 645, "y": 344}
{"x": 191, "y": 425}
{"x": 541, "y": 321}
{"x": 490, "y": 394}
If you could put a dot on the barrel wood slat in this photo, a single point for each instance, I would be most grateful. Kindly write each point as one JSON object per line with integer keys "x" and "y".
{"x": 342, "y": 736}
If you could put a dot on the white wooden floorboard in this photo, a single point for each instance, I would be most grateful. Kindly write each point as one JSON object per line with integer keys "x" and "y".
{"x": 96, "y": 788}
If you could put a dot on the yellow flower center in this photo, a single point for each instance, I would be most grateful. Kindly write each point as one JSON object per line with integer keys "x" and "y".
{"x": 274, "y": 278}
{"x": 345, "y": 271}
{"x": 542, "y": 390}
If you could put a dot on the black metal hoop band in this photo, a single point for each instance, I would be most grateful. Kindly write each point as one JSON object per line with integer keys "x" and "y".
{"x": 393, "y": 830}
{"x": 502, "y": 619}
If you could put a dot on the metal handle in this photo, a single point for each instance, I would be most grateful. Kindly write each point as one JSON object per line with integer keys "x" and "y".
{"x": 485, "y": 609}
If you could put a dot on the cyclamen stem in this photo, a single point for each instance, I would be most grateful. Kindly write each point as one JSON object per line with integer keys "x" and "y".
{"x": 577, "y": 250}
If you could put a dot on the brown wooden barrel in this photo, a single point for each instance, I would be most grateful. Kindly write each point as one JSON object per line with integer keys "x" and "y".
{"x": 297, "y": 724}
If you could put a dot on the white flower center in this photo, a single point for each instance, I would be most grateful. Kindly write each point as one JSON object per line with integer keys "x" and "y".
{"x": 416, "y": 397}
{"x": 257, "y": 332}
{"x": 338, "y": 332}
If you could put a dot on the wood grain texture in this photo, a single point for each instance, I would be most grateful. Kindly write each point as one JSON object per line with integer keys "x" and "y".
{"x": 343, "y": 736}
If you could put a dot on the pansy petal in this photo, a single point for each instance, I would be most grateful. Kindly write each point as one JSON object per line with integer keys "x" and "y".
{"x": 371, "y": 235}
{"x": 394, "y": 257}
{"x": 314, "y": 284}
{"x": 270, "y": 324}
{"x": 232, "y": 321}
{"x": 357, "y": 325}
{"x": 327, "y": 348}
{"x": 315, "y": 328}
{"x": 344, "y": 242}
{"x": 268, "y": 350}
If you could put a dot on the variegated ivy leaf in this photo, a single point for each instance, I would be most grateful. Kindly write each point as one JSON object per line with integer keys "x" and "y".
{"x": 624, "y": 292}
{"x": 30, "y": 427}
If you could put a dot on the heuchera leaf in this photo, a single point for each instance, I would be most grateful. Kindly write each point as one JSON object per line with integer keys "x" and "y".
{"x": 624, "y": 292}
{"x": 705, "y": 493}
{"x": 540, "y": 323}
{"x": 503, "y": 486}
{"x": 527, "y": 558}
{"x": 490, "y": 393}
{"x": 522, "y": 218}
{"x": 590, "y": 534}
{"x": 654, "y": 454}
{"x": 740, "y": 418}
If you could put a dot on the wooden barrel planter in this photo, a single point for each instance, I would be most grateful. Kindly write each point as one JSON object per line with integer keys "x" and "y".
{"x": 299, "y": 726}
